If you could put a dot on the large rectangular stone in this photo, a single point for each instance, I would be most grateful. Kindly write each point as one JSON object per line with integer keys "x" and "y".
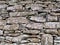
{"x": 17, "y": 20}
{"x": 52, "y": 25}
{"x": 11, "y": 33}
{"x": 31, "y": 31}
{"x": 35, "y": 6}
{"x": 34, "y": 25}
{"x": 51, "y": 31}
{"x": 11, "y": 27}
{"x": 37, "y": 19}
{"x": 3, "y": 2}
{"x": 2, "y": 6}
{"x": 15, "y": 8}
{"x": 14, "y": 14}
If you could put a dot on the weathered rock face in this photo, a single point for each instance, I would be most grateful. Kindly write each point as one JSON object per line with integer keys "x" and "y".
{"x": 47, "y": 39}
{"x": 29, "y": 22}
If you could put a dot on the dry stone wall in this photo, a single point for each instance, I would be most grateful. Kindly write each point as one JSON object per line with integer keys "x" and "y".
{"x": 29, "y": 22}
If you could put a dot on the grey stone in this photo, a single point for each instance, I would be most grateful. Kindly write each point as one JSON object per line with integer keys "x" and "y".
{"x": 25, "y": 2}
{"x": 10, "y": 44}
{"x": 34, "y": 40}
{"x": 14, "y": 0}
{"x": 25, "y": 41}
{"x": 14, "y": 14}
{"x": 1, "y": 32}
{"x": 2, "y": 43}
{"x": 2, "y": 6}
{"x": 11, "y": 27}
{"x": 35, "y": 6}
{"x": 15, "y": 8}
{"x": 11, "y": 3}
{"x": 32, "y": 44}
{"x": 55, "y": 13}
{"x": 17, "y": 20}
{"x": 47, "y": 39}
{"x": 37, "y": 19}
{"x": 34, "y": 25}
{"x": 56, "y": 10}
{"x": 52, "y": 25}
{"x": 52, "y": 18}
{"x": 1, "y": 38}
{"x": 57, "y": 0}
{"x": 31, "y": 31}
{"x": 58, "y": 31}
{"x": 11, "y": 33}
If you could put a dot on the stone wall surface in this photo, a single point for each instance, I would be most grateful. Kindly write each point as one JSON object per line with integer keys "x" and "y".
{"x": 29, "y": 22}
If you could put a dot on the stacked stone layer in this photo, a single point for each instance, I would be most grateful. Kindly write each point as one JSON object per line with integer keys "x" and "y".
{"x": 29, "y": 22}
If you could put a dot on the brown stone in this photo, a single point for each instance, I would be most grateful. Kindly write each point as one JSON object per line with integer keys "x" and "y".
{"x": 34, "y": 40}
{"x": 51, "y": 31}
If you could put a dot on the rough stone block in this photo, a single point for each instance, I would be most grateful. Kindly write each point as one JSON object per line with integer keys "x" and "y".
{"x": 1, "y": 32}
{"x": 47, "y": 39}
{"x": 52, "y": 25}
{"x": 37, "y": 19}
{"x": 15, "y": 8}
{"x": 2, "y": 6}
{"x": 16, "y": 14}
{"x": 34, "y": 40}
{"x": 34, "y": 25}
{"x": 51, "y": 31}
{"x": 2, "y": 22}
{"x": 52, "y": 18}
{"x": 17, "y": 20}
{"x": 31, "y": 31}
{"x": 11, "y": 27}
